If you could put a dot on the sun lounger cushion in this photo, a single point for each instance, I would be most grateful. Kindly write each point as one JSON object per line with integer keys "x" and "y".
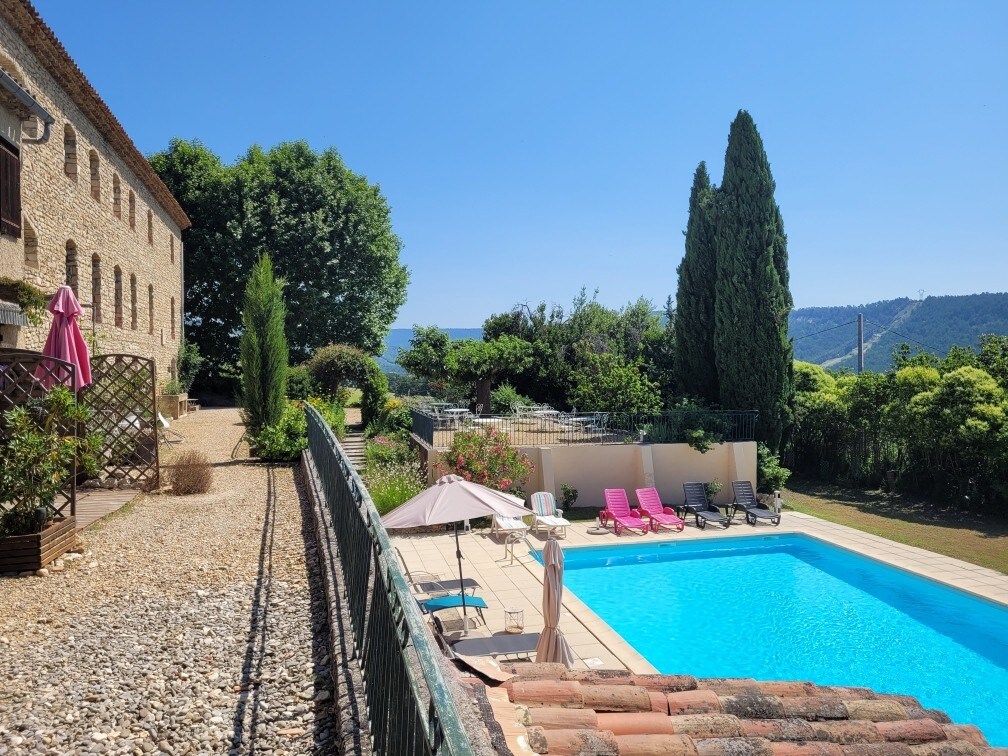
{"x": 553, "y": 522}
{"x": 498, "y": 645}
{"x": 452, "y": 601}
{"x": 446, "y": 586}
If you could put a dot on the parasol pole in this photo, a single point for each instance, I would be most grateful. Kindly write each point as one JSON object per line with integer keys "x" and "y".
{"x": 458, "y": 555}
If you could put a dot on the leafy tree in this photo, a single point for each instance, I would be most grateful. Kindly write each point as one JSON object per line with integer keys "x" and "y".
{"x": 752, "y": 349}
{"x": 485, "y": 362}
{"x": 263, "y": 348}
{"x": 993, "y": 357}
{"x": 608, "y": 383}
{"x": 696, "y": 364}
{"x": 659, "y": 356}
{"x": 327, "y": 229}
{"x": 809, "y": 377}
{"x": 427, "y": 353}
{"x": 335, "y": 365}
{"x": 190, "y": 361}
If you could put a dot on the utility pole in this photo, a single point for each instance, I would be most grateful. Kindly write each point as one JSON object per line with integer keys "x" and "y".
{"x": 860, "y": 343}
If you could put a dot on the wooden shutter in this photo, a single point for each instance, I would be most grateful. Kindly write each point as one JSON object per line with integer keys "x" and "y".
{"x": 10, "y": 191}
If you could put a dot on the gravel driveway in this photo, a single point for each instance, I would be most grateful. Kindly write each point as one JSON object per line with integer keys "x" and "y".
{"x": 188, "y": 626}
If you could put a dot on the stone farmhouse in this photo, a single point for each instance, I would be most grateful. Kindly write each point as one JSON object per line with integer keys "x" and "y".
{"x": 80, "y": 205}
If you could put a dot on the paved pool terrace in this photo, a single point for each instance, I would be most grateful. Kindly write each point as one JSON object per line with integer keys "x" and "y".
{"x": 518, "y": 583}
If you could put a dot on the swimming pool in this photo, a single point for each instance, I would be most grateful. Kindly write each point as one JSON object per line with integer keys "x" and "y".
{"x": 791, "y": 607}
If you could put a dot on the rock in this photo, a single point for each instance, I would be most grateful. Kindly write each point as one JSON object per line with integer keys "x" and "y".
{"x": 42, "y": 573}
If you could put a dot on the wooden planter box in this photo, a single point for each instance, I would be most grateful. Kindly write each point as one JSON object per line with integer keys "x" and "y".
{"x": 36, "y": 550}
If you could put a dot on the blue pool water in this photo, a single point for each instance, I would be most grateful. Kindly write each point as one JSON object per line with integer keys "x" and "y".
{"x": 790, "y": 607}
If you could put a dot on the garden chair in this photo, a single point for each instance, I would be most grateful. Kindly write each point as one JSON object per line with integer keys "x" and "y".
{"x": 659, "y": 515}
{"x": 432, "y": 584}
{"x": 618, "y": 510}
{"x": 508, "y": 526}
{"x": 745, "y": 499}
{"x": 165, "y": 433}
{"x": 698, "y": 505}
{"x": 545, "y": 515}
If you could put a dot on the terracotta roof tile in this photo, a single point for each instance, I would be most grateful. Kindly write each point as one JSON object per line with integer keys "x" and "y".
{"x": 601, "y": 712}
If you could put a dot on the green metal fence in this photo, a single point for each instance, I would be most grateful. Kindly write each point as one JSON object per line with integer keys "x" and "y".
{"x": 410, "y": 708}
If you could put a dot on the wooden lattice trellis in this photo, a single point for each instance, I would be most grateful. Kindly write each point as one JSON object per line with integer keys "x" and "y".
{"x": 25, "y": 378}
{"x": 122, "y": 399}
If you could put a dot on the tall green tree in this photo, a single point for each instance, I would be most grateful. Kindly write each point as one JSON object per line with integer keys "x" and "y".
{"x": 696, "y": 365}
{"x": 327, "y": 229}
{"x": 263, "y": 347}
{"x": 752, "y": 350}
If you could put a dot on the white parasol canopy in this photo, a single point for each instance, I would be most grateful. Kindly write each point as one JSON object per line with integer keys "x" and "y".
{"x": 451, "y": 499}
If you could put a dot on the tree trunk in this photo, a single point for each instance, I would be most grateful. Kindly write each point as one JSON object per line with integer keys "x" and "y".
{"x": 482, "y": 397}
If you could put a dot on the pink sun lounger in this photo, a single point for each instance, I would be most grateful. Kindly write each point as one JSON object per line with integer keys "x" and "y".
{"x": 618, "y": 510}
{"x": 657, "y": 513}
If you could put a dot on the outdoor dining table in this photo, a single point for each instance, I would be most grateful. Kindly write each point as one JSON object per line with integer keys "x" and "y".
{"x": 456, "y": 414}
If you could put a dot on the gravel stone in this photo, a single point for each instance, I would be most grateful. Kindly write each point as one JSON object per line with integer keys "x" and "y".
{"x": 186, "y": 624}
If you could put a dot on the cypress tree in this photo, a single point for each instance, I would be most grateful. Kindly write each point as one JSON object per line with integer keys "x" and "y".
{"x": 753, "y": 351}
{"x": 263, "y": 348}
{"x": 696, "y": 368}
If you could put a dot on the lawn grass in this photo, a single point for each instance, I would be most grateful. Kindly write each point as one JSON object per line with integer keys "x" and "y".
{"x": 945, "y": 529}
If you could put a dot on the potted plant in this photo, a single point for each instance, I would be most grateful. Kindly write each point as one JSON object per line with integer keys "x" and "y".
{"x": 41, "y": 452}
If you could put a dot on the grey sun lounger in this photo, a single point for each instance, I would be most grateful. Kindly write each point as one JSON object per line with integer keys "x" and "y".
{"x": 697, "y": 505}
{"x": 745, "y": 500}
{"x": 497, "y": 645}
{"x": 429, "y": 583}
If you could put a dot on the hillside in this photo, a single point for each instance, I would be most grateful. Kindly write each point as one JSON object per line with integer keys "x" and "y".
{"x": 937, "y": 322}
{"x": 398, "y": 338}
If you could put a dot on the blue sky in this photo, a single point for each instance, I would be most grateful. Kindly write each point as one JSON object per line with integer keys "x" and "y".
{"x": 529, "y": 149}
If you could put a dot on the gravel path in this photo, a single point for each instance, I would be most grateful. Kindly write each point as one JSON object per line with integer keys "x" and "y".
{"x": 188, "y": 626}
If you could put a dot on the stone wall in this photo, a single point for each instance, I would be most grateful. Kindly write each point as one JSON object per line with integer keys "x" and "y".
{"x": 78, "y": 212}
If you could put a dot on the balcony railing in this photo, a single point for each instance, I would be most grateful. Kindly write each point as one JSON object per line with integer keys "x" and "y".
{"x": 545, "y": 427}
{"x": 410, "y": 708}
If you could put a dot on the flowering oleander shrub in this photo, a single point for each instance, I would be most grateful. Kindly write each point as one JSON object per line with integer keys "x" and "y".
{"x": 487, "y": 457}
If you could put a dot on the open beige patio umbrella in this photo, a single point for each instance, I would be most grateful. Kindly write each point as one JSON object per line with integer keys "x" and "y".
{"x": 552, "y": 646}
{"x": 452, "y": 499}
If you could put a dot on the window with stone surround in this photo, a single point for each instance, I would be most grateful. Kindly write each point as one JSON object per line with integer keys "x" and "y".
{"x": 72, "y": 279}
{"x": 30, "y": 245}
{"x": 133, "y": 302}
{"x": 132, "y": 210}
{"x": 118, "y": 297}
{"x": 173, "y": 318}
{"x": 150, "y": 227}
{"x": 10, "y": 189}
{"x": 70, "y": 152}
{"x": 116, "y": 197}
{"x": 95, "y": 176}
{"x": 96, "y": 288}
{"x": 150, "y": 309}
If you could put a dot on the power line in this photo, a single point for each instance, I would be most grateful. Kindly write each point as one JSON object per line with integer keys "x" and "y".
{"x": 904, "y": 336}
{"x": 824, "y": 330}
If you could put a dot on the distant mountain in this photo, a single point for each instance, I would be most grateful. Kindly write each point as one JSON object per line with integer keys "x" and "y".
{"x": 827, "y": 336}
{"x": 398, "y": 338}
